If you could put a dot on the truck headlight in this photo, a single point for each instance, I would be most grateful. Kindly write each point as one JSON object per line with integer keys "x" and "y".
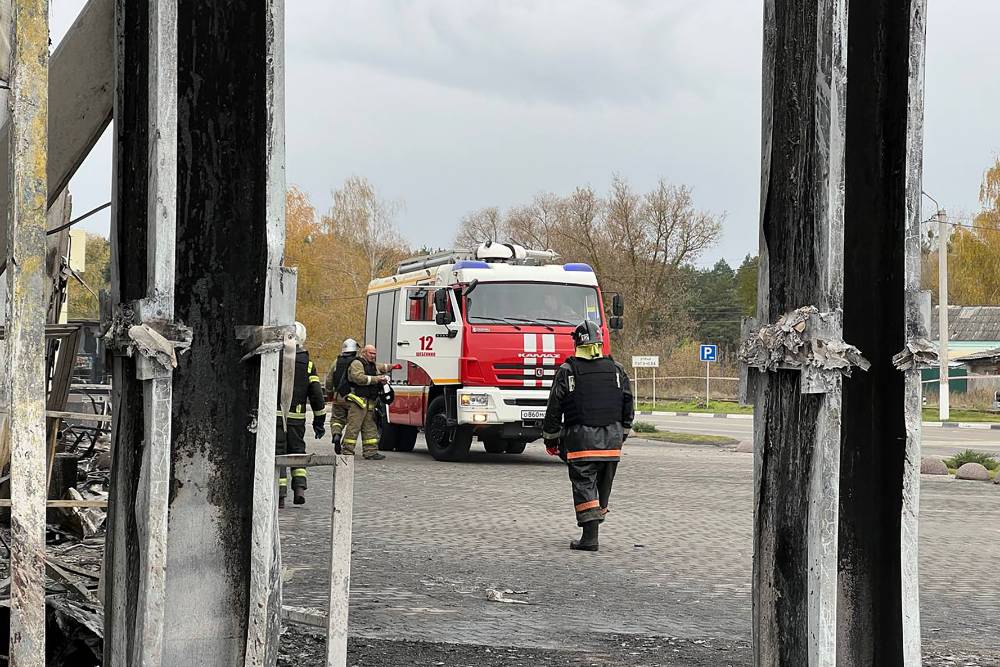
{"x": 477, "y": 400}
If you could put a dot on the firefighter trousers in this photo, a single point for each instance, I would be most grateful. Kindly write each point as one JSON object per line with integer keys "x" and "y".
{"x": 360, "y": 421}
{"x": 591, "y": 489}
{"x": 291, "y": 442}
{"x": 338, "y": 415}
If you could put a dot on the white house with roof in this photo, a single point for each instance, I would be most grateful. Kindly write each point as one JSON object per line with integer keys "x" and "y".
{"x": 971, "y": 329}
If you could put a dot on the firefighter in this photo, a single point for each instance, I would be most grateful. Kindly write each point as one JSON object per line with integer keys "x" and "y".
{"x": 365, "y": 379}
{"x": 291, "y": 434}
{"x": 337, "y": 389}
{"x": 588, "y": 418}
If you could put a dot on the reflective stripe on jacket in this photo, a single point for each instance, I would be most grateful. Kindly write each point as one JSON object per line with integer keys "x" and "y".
{"x": 307, "y": 389}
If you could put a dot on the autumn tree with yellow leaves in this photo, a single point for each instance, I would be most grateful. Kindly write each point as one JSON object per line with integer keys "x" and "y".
{"x": 973, "y": 252}
{"x": 337, "y": 254}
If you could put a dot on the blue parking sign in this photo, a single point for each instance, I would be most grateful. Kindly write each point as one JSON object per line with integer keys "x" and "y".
{"x": 709, "y": 352}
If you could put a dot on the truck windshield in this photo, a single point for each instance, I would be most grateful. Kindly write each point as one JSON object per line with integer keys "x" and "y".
{"x": 527, "y": 303}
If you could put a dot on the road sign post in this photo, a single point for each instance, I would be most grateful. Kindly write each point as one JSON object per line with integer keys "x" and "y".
{"x": 709, "y": 354}
{"x": 708, "y": 384}
{"x": 654, "y": 391}
{"x": 652, "y": 362}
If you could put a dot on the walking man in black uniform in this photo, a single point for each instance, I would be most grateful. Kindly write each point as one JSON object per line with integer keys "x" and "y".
{"x": 335, "y": 381}
{"x": 589, "y": 416}
{"x": 292, "y": 440}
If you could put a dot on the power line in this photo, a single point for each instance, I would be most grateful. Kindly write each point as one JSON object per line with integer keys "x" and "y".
{"x": 960, "y": 224}
{"x": 80, "y": 219}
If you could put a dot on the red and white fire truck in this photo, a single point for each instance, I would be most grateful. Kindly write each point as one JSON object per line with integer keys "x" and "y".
{"x": 478, "y": 336}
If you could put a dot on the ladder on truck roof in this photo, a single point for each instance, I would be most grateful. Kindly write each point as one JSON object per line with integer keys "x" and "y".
{"x": 491, "y": 252}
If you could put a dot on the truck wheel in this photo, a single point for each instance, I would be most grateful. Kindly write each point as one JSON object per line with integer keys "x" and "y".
{"x": 406, "y": 438}
{"x": 388, "y": 439}
{"x": 443, "y": 442}
{"x": 494, "y": 445}
{"x": 516, "y": 446}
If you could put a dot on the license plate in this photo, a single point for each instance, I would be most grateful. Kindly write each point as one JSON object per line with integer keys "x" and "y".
{"x": 532, "y": 414}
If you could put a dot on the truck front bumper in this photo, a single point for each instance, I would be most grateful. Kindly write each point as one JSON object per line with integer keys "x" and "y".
{"x": 492, "y": 406}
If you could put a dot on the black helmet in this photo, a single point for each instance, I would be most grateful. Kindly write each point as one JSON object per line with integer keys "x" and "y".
{"x": 587, "y": 332}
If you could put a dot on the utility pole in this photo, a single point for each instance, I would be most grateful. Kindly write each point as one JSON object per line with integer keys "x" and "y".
{"x": 944, "y": 387}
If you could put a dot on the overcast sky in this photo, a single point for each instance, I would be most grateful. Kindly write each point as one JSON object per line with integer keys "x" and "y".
{"x": 452, "y": 105}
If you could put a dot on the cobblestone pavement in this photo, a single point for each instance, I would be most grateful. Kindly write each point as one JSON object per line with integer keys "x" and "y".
{"x": 431, "y": 538}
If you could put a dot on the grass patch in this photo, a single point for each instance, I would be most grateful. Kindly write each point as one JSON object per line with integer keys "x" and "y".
{"x": 931, "y": 415}
{"x": 715, "y": 407}
{"x": 643, "y": 427}
{"x": 686, "y": 438}
{"x": 971, "y": 456}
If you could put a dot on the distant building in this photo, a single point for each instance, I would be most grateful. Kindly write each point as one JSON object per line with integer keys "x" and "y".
{"x": 986, "y": 362}
{"x": 971, "y": 329}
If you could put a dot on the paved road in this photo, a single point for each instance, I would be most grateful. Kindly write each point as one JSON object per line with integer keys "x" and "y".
{"x": 937, "y": 441}
{"x": 431, "y": 538}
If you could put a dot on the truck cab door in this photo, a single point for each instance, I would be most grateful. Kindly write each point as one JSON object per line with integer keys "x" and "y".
{"x": 435, "y": 349}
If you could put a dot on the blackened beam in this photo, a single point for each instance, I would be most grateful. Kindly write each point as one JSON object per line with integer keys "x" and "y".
{"x": 878, "y": 613}
{"x": 797, "y": 435}
{"x": 157, "y": 358}
{"x": 25, "y": 226}
{"x": 264, "y": 609}
{"x": 917, "y": 324}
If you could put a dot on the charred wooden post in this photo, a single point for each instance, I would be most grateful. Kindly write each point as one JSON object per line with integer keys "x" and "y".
{"x": 152, "y": 329}
{"x": 837, "y": 469}
{"x": 797, "y": 434}
{"x": 263, "y": 623}
{"x": 228, "y": 160}
{"x": 26, "y": 328}
{"x": 885, "y": 314}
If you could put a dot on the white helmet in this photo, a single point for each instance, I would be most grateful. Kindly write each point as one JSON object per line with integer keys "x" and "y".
{"x": 350, "y": 345}
{"x": 300, "y": 333}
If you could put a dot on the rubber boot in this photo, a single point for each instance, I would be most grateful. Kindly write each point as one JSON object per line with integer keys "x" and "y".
{"x": 337, "y": 437}
{"x": 377, "y": 456}
{"x": 300, "y": 496}
{"x": 589, "y": 540}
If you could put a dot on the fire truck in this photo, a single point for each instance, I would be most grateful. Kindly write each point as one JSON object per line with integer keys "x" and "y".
{"x": 477, "y": 336}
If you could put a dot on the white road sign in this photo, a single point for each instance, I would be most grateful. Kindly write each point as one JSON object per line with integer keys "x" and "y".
{"x": 645, "y": 362}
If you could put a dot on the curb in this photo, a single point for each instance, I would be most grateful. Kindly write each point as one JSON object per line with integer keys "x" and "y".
{"x": 979, "y": 426}
{"x": 703, "y": 415}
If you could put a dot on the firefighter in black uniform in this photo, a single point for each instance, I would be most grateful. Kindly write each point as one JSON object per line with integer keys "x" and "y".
{"x": 293, "y": 440}
{"x": 334, "y": 384}
{"x": 589, "y": 416}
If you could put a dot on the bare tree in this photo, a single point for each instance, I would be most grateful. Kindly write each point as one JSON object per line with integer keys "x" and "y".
{"x": 485, "y": 224}
{"x": 581, "y": 235}
{"x": 536, "y": 225}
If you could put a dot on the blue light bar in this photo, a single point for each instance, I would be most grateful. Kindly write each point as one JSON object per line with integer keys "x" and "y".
{"x": 470, "y": 264}
{"x": 584, "y": 268}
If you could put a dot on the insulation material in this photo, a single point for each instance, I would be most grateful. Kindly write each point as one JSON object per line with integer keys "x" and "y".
{"x": 807, "y": 340}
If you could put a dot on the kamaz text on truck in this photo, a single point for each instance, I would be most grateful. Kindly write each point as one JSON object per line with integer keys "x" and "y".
{"x": 479, "y": 336}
